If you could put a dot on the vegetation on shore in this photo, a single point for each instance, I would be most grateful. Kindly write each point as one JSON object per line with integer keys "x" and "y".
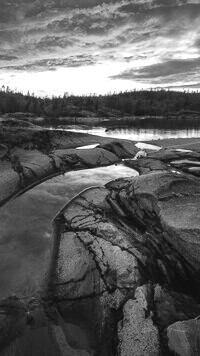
{"x": 159, "y": 102}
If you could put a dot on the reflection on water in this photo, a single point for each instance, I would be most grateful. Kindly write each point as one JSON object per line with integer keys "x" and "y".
{"x": 147, "y": 146}
{"x": 87, "y": 147}
{"x": 25, "y": 228}
{"x": 142, "y": 129}
{"x": 141, "y": 134}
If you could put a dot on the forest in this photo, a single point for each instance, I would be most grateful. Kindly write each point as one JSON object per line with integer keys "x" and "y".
{"x": 137, "y": 103}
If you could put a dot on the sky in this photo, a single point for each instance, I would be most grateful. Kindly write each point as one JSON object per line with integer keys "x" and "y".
{"x": 52, "y": 47}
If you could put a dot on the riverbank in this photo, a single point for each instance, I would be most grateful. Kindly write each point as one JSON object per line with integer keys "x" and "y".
{"x": 29, "y": 155}
{"x": 124, "y": 269}
{"x": 179, "y": 143}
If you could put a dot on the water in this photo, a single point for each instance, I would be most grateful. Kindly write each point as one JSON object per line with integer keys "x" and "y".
{"x": 142, "y": 129}
{"x": 25, "y": 227}
{"x": 140, "y": 134}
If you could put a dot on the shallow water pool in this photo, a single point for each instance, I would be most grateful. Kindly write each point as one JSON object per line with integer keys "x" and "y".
{"x": 25, "y": 227}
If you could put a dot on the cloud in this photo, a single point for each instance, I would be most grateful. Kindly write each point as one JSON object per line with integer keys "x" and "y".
{"x": 4, "y": 57}
{"x": 197, "y": 43}
{"x": 47, "y": 43}
{"x": 54, "y": 63}
{"x": 182, "y": 86}
{"x": 162, "y": 72}
{"x": 41, "y": 35}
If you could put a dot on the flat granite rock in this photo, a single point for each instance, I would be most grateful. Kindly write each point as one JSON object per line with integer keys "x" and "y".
{"x": 118, "y": 148}
{"x": 124, "y": 274}
{"x": 114, "y": 238}
{"x": 146, "y": 165}
{"x": 33, "y": 154}
{"x": 175, "y": 199}
{"x": 168, "y": 154}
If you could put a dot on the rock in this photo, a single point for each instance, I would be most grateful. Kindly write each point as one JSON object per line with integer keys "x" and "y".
{"x": 9, "y": 182}
{"x": 122, "y": 149}
{"x": 146, "y": 165}
{"x": 167, "y": 155}
{"x": 175, "y": 200}
{"x": 44, "y": 153}
{"x": 94, "y": 264}
{"x": 137, "y": 333}
{"x": 171, "y": 306}
{"x": 194, "y": 170}
{"x": 184, "y": 337}
{"x": 97, "y": 242}
{"x": 3, "y": 151}
{"x": 125, "y": 264}
{"x": 185, "y": 163}
{"x": 103, "y": 253}
{"x": 13, "y": 318}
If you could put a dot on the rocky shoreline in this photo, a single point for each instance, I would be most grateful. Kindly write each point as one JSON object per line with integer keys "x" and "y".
{"x": 125, "y": 267}
{"x": 30, "y": 155}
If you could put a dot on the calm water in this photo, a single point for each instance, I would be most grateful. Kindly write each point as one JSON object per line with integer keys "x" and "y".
{"x": 143, "y": 129}
{"x": 140, "y": 134}
{"x": 25, "y": 227}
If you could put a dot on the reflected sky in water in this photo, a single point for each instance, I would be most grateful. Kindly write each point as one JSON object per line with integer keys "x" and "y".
{"x": 141, "y": 134}
{"x": 25, "y": 227}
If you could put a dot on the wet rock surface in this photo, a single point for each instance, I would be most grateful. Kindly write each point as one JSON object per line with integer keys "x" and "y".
{"x": 112, "y": 242}
{"x": 30, "y": 154}
{"x": 124, "y": 274}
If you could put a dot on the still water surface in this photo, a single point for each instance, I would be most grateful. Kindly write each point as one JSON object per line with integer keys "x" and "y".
{"x": 142, "y": 129}
{"x": 141, "y": 134}
{"x": 25, "y": 227}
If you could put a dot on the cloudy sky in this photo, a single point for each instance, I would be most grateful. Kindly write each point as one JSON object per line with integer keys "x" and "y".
{"x": 86, "y": 46}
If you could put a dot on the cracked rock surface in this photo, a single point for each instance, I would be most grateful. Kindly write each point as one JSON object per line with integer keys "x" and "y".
{"x": 112, "y": 241}
{"x": 125, "y": 268}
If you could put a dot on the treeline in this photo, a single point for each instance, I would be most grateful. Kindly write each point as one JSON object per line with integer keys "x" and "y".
{"x": 145, "y": 102}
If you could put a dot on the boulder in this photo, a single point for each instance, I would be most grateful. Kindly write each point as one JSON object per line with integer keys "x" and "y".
{"x": 184, "y": 337}
{"x": 137, "y": 333}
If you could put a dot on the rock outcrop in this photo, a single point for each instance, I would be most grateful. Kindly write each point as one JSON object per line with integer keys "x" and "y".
{"x": 30, "y": 154}
{"x": 125, "y": 268}
{"x": 184, "y": 337}
{"x": 112, "y": 242}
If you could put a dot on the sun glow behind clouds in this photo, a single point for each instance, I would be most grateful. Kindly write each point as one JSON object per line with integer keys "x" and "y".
{"x": 82, "y": 80}
{"x": 87, "y": 46}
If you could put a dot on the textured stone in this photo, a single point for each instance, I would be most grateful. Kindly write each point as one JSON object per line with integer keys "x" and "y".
{"x": 184, "y": 337}
{"x": 172, "y": 306}
{"x": 137, "y": 333}
{"x": 44, "y": 153}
